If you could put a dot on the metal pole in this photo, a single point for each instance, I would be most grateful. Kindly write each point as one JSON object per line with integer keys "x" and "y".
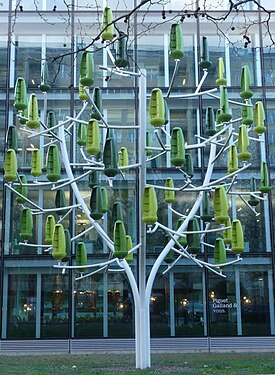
{"x": 144, "y": 341}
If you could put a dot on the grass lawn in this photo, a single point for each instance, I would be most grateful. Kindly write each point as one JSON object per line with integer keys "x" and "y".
{"x": 122, "y": 364}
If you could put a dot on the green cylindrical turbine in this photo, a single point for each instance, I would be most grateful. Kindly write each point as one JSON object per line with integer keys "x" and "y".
{"x": 123, "y": 158}
{"x": 51, "y": 120}
{"x": 96, "y": 203}
{"x": 129, "y": 257}
{"x": 12, "y": 138}
{"x": 120, "y": 242}
{"x": 105, "y": 203}
{"x": 20, "y": 95}
{"x": 121, "y": 57}
{"x": 219, "y": 251}
{"x": 107, "y": 25}
{"x": 59, "y": 243}
{"x": 26, "y": 224}
{"x": 188, "y": 165}
{"x": 220, "y": 205}
{"x": 87, "y": 69}
{"x": 60, "y": 201}
{"x": 205, "y": 63}
{"x": 247, "y": 113}
{"x": 264, "y": 179}
{"x": 23, "y": 190}
{"x": 193, "y": 239}
{"x": 232, "y": 159}
{"x": 245, "y": 83}
{"x": 10, "y": 166}
{"x": 36, "y": 163}
{"x": 169, "y": 195}
{"x": 237, "y": 237}
{"x": 149, "y": 205}
{"x": 221, "y": 81}
{"x": 259, "y": 117}
{"x": 176, "y": 47}
{"x": 68, "y": 245}
{"x": 49, "y": 228}
{"x": 225, "y": 114}
{"x": 157, "y": 108}
{"x": 177, "y": 147}
{"x": 81, "y": 134}
{"x": 243, "y": 143}
{"x": 81, "y": 256}
{"x": 210, "y": 128}
{"x": 33, "y": 119}
{"x": 93, "y": 179}
{"x": 93, "y": 137}
{"x": 205, "y": 208}
{"x": 97, "y": 98}
{"x": 53, "y": 164}
{"x": 110, "y": 158}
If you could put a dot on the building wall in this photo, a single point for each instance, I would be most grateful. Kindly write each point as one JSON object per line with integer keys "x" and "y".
{"x": 37, "y": 300}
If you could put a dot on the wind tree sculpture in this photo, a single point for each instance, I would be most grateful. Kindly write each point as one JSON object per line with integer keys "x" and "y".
{"x": 97, "y": 145}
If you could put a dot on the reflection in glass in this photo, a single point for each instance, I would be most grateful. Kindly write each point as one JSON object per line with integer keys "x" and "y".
{"x": 88, "y": 307}
{"x": 151, "y": 58}
{"x": 54, "y": 306}
{"x": 21, "y": 306}
{"x": 222, "y": 305}
{"x": 160, "y": 307}
{"x": 254, "y": 302}
{"x": 120, "y": 307}
{"x": 189, "y": 318}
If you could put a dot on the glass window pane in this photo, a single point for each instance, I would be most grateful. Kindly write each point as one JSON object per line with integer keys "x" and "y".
{"x": 120, "y": 307}
{"x": 54, "y": 306}
{"x": 151, "y": 58}
{"x": 254, "y": 300}
{"x": 222, "y": 305}
{"x": 189, "y": 317}
{"x": 21, "y": 306}
{"x": 160, "y": 307}
{"x": 88, "y": 306}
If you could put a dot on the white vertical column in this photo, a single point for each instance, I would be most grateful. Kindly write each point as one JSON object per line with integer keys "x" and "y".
{"x": 143, "y": 331}
{"x": 12, "y": 61}
{"x": 227, "y": 62}
{"x": 196, "y": 69}
{"x": 166, "y": 59}
{"x": 258, "y": 78}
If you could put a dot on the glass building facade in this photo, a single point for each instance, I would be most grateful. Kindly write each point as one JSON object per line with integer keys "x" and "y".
{"x": 37, "y": 301}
